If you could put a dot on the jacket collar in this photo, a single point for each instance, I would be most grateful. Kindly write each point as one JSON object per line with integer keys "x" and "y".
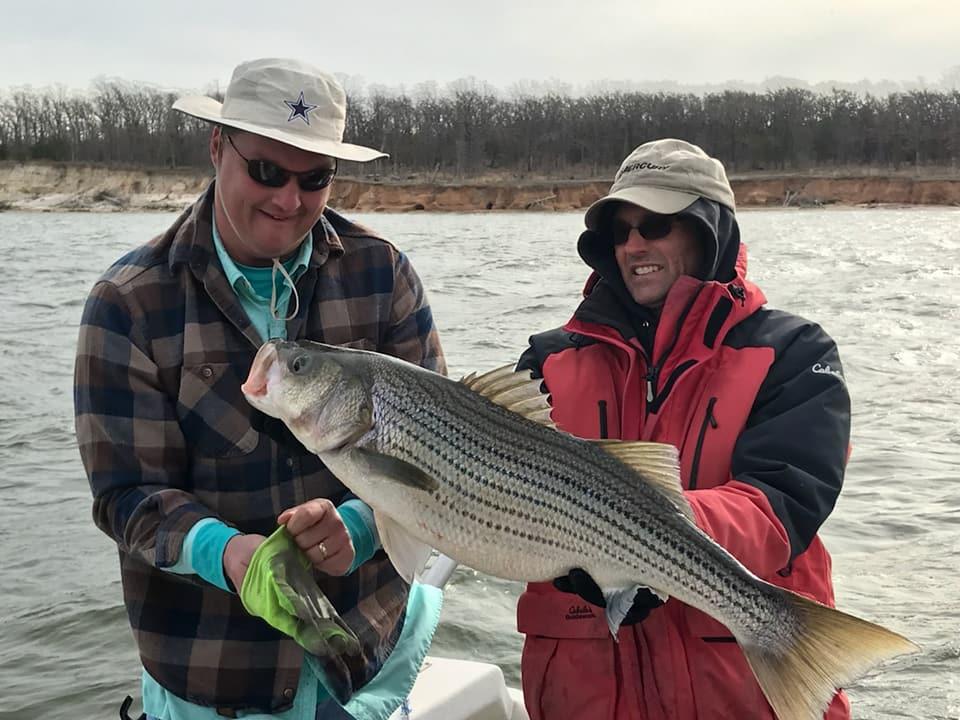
{"x": 695, "y": 318}
{"x": 191, "y": 245}
{"x": 191, "y": 236}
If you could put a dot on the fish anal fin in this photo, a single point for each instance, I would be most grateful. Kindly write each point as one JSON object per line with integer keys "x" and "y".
{"x": 515, "y": 391}
{"x": 397, "y": 469}
{"x": 658, "y": 463}
{"x": 408, "y": 554}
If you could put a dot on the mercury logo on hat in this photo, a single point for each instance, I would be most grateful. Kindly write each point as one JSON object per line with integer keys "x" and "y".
{"x": 258, "y": 100}
{"x": 666, "y": 176}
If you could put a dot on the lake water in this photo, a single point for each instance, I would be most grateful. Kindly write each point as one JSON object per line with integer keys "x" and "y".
{"x": 884, "y": 283}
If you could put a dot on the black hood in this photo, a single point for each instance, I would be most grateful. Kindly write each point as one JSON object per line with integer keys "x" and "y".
{"x": 718, "y": 232}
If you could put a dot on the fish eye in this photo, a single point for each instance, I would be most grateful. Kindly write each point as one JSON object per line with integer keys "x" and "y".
{"x": 299, "y": 364}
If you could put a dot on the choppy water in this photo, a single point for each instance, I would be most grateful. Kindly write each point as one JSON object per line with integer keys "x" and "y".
{"x": 884, "y": 283}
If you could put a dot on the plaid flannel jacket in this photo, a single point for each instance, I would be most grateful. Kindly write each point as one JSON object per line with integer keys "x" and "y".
{"x": 167, "y": 438}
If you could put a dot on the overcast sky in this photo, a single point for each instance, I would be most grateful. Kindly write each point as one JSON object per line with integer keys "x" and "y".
{"x": 193, "y": 45}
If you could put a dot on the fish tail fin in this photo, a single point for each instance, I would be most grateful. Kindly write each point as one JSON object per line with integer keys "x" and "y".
{"x": 829, "y": 650}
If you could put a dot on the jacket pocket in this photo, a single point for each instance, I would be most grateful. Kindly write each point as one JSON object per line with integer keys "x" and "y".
{"x": 214, "y": 415}
{"x": 550, "y": 613}
{"x": 709, "y": 421}
{"x": 723, "y": 684}
{"x": 703, "y": 627}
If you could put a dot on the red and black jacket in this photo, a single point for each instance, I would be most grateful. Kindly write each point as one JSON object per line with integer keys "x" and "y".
{"x": 755, "y": 401}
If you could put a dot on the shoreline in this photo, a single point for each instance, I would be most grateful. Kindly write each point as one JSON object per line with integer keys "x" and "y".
{"x": 66, "y": 187}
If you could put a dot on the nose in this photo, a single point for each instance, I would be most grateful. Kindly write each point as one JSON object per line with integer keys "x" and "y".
{"x": 635, "y": 241}
{"x": 287, "y": 198}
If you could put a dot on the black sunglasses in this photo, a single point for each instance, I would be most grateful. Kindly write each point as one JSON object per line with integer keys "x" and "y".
{"x": 272, "y": 175}
{"x": 652, "y": 227}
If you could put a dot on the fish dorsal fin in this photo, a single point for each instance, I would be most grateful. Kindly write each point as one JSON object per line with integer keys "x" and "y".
{"x": 658, "y": 463}
{"x": 408, "y": 555}
{"x": 515, "y": 391}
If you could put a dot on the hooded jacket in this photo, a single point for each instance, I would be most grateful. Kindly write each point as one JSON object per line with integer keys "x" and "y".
{"x": 755, "y": 401}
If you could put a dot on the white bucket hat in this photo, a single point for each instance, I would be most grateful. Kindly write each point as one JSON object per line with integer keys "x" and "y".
{"x": 666, "y": 176}
{"x": 284, "y": 100}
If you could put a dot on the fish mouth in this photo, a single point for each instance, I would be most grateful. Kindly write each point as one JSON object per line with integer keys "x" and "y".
{"x": 255, "y": 385}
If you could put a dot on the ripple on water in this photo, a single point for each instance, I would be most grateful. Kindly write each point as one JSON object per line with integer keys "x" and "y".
{"x": 493, "y": 280}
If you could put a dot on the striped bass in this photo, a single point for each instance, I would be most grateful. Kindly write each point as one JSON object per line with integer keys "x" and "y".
{"x": 476, "y": 470}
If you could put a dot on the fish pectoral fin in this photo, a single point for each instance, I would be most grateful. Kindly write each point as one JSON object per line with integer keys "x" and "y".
{"x": 408, "y": 554}
{"x": 658, "y": 463}
{"x": 620, "y": 600}
{"x": 515, "y": 391}
{"x": 397, "y": 469}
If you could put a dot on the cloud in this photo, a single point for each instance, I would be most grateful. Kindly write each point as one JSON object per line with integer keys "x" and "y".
{"x": 190, "y": 45}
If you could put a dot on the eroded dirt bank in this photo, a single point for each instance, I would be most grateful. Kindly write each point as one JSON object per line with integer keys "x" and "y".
{"x": 61, "y": 186}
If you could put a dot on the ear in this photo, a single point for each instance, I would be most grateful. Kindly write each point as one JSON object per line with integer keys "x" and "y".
{"x": 216, "y": 146}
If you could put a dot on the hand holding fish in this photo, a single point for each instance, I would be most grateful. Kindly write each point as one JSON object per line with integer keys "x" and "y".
{"x": 319, "y": 531}
{"x": 579, "y": 582}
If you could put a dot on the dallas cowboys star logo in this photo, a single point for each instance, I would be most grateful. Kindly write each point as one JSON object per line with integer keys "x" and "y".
{"x": 299, "y": 109}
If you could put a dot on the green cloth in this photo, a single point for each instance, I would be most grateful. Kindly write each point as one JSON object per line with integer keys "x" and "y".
{"x": 279, "y": 587}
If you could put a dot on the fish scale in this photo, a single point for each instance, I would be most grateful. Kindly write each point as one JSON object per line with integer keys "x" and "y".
{"x": 458, "y": 419}
{"x": 442, "y": 464}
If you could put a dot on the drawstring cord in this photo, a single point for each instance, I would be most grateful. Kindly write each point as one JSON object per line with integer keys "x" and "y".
{"x": 277, "y": 265}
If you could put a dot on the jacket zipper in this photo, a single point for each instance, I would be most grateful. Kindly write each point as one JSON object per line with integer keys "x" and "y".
{"x": 602, "y": 410}
{"x": 653, "y": 373}
{"x": 710, "y": 420}
{"x": 668, "y": 385}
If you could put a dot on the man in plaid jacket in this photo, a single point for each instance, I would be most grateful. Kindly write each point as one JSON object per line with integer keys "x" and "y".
{"x": 186, "y": 477}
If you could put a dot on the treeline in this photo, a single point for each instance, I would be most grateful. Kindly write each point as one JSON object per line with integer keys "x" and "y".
{"x": 473, "y": 130}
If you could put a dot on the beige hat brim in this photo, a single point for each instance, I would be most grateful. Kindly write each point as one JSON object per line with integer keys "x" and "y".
{"x": 206, "y": 108}
{"x": 658, "y": 200}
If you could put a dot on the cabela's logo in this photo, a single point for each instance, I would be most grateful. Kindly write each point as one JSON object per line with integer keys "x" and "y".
{"x": 825, "y": 369}
{"x": 579, "y": 612}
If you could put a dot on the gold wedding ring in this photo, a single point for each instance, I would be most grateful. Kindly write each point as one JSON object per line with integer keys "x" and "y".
{"x": 323, "y": 551}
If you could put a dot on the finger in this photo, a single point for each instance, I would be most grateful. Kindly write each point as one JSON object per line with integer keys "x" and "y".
{"x": 579, "y": 576}
{"x": 300, "y": 517}
{"x": 305, "y": 516}
{"x": 337, "y": 563}
{"x": 311, "y": 506}
{"x": 311, "y": 540}
{"x": 329, "y": 528}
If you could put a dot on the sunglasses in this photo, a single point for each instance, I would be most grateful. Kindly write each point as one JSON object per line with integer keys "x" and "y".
{"x": 271, "y": 175}
{"x": 653, "y": 227}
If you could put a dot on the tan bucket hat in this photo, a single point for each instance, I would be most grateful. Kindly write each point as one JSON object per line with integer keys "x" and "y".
{"x": 666, "y": 176}
{"x": 284, "y": 100}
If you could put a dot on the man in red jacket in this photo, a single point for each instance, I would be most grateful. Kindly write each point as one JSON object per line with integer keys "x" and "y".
{"x": 672, "y": 343}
